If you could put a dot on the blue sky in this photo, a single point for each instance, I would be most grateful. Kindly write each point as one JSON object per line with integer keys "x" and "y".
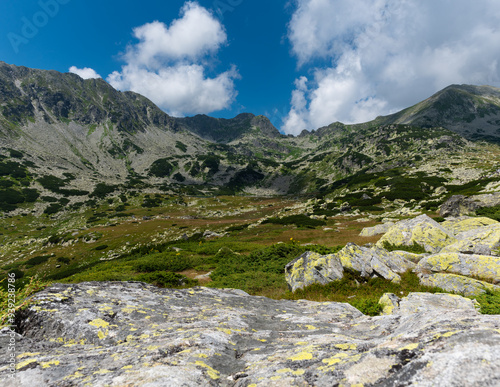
{"x": 303, "y": 63}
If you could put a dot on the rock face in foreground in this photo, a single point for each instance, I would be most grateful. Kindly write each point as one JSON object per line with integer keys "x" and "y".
{"x": 133, "y": 334}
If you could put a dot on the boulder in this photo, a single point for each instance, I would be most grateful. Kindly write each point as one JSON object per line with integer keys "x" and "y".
{"x": 421, "y": 230}
{"x": 133, "y": 334}
{"x": 376, "y": 230}
{"x": 459, "y": 205}
{"x": 370, "y": 262}
{"x": 439, "y": 302}
{"x": 457, "y": 284}
{"x": 481, "y": 266}
{"x": 312, "y": 268}
{"x": 487, "y": 235}
{"x": 466, "y": 246}
{"x": 462, "y": 224}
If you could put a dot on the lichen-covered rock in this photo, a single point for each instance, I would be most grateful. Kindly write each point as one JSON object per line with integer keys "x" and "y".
{"x": 487, "y": 235}
{"x": 376, "y": 230}
{"x": 457, "y": 284}
{"x": 439, "y": 302}
{"x": 421, "y": 230}
{"x": 373, "y": 262}
{"x": 482, "y": 266}
{"x": 389, "y": 302}
{"x": 412, "y": 257}
{"x": 458, "y": 225}
{"x": 312, "y": 268}
{"x": 466, "y": 246}
{"x": 133, "y": 334}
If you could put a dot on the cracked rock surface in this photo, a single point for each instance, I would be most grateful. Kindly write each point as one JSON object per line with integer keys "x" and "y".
{"x": 134, "y": 334}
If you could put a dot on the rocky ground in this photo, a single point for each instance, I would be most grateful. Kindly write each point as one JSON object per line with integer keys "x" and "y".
{"x": 124, "y": 334}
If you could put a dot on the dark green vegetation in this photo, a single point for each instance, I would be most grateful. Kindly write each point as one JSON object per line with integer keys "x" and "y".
{"x": 490, "y": 212}
{"x": 490, "y": 302}
{"x": 414, "y": 248}
{"x": 298, "y": 220}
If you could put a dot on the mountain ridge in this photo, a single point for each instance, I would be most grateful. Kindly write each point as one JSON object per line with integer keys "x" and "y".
{"x": 62, "y": 125}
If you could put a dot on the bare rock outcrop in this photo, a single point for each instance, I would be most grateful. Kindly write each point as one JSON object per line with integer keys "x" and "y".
{"x": 117, "y": 334}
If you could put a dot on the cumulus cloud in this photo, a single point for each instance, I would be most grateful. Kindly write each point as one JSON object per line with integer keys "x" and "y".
{"x": 169, "y": 64}
{"x": 179, "y": 89}
{"x": 378, "y": 56}
{"x": 85, "y": 73}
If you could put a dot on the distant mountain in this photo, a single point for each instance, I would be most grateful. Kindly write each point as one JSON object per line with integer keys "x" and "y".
{"x": 223, "y": 130}
{"x": 66, "y": 139}
{"x": 471, "y": 111}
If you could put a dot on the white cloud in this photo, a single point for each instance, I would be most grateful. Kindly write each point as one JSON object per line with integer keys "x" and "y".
{"x": 379, "y": 56}
{"x": 179, "y": 89}
{"x": 168, "y": 64}
{"x": 195, "y": 34}
{"x": 85, "y": 73}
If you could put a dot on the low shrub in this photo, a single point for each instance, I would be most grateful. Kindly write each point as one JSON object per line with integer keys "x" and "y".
{"x": 414, "y": 248}
{"x": 299, "y": 220}
{"x": 489, "y": 302}
{"x": 490, "y": 212}
{"x": 38, "y": 260}
{"x": 167, "y": 279}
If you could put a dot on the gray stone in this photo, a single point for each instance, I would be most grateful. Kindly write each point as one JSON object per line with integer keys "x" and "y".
{"x": 459, "y": 205}
{"x": 421, "y": 230}
{"x": 312, "y": 268}
{"x": 134, "y": 334}
{"x": 470, "y": 265}
{"x": 457, "y": 284}
{"x": 376, "y": 230}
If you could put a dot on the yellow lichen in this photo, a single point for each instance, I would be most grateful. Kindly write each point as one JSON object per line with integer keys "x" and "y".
{"x": 301, "y": 356}
{"x": 48, "y": 364}
{"x": 346, "y": 346}
{"x": 214, "y": 374}
{"x": 99, "y": 323}
{"x": 102, "y": 372}
{"x": 25, "y": 363}
{"x": 27, "y": 354}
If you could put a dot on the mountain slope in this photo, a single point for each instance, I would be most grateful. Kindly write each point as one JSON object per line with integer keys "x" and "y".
{"x": 471, "y": 111}
{"x": 65, "y": 139}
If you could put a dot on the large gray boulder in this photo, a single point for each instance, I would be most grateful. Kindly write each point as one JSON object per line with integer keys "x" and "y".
{"x": 311, "y": 268}
{"x": 421, "y": 230}
{"x": 133, "y": 334}
{"x": 459, "y": 205}
{"x": 478, "y": 266}
{"x": 487, "y": 236}
{"x": 457, "y": 284}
